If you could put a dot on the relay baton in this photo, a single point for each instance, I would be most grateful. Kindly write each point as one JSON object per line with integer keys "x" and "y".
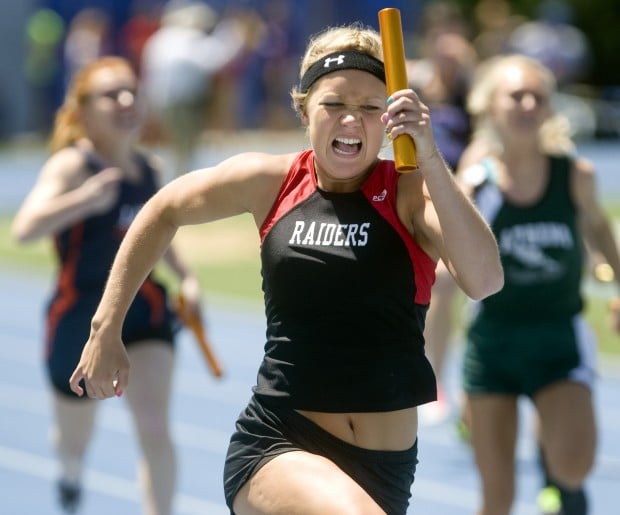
{"x": 194, "y": 323}
{"x": 396, "y": 78}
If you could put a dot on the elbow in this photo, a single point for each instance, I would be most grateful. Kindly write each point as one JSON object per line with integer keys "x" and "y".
{"x": 21, "y": 234}
{"x": 490, "y": 282}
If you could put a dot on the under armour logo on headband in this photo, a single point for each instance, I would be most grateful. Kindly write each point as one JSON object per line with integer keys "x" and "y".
{"x": 338, "y": 60}
{"x": 345, "y": 60}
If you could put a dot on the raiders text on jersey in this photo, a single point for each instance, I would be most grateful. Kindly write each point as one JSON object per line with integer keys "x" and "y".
{"x": 327, "y": 234}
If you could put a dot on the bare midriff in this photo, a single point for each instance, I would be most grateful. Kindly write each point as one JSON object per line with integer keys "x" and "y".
{"x": 384, "y": 431}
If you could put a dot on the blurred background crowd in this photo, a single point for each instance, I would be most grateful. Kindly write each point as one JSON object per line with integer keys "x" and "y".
{"x": 232, "y": 62}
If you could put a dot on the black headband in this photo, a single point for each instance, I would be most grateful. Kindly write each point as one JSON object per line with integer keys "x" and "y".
{"x": 347, "y": 60}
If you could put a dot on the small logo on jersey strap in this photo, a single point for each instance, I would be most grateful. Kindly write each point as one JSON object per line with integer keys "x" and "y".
{"x": 381, "y": 197}
{"x": 338, "y": 60}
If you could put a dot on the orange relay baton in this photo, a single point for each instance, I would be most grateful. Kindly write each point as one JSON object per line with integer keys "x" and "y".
{"x": 194, "y": 323}
{"x": 391, "y": 31}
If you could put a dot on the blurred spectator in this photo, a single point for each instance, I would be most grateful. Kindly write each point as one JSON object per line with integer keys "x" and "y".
{"x": 179, "y": 62}
{"x": 554, "y": 41}
{"x": 564, "y": 49}
{"x": 270, "y": 70}
{"x": 142, "y": 24}
{"x": 45, "y": 31}
{"x": 89, "y": 37}
{"x": 495, "y": 24}
{"x": 441, "y": 76}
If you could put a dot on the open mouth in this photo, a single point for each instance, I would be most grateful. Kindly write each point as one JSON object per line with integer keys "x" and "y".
{"x": 347, "y": 146}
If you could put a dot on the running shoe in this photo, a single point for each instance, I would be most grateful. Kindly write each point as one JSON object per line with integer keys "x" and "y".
{"x": 549, "y": 501}
{"x": 69, "y": 495}
{"x": 603, "y": 273}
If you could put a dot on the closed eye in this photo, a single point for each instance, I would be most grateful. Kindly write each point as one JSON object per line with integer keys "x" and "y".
{"x": 367, "y": 108}
{"x": 333, "y": 105}
{"x": 371, "y": 108}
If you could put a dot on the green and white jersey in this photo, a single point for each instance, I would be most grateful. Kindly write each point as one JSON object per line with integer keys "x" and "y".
{"x": 540, "y": 247}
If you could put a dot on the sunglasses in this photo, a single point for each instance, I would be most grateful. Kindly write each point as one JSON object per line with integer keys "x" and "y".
{"x": 114, "y": 94}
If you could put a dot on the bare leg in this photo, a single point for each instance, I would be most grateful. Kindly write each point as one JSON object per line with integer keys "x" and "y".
{"x": 494, "y": 435}
{"x": 567, "y": 432}
{"x": 71, "y": 434}
{"x": 149, "y": 396}
{"x": 300, "y": 483}
{"x": 440, "y": 319}
{"x": 437, "y": 335}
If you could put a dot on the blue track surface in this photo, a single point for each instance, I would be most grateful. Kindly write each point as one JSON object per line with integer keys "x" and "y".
{"x": 204, "y": 409}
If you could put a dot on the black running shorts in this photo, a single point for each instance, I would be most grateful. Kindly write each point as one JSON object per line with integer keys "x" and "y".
{"x": 264, "y": 432}
{"x": 68, "y": 332}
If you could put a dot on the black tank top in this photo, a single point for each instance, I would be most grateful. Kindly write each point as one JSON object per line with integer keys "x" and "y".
{"x": 346, "y": 292}
{"x": 540, "y": 247}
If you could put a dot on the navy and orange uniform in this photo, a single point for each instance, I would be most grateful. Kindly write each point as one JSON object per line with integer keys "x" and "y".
{"x": 85, "y": 252}
{"x": 346, "y": 292}
{"x": 532, "y": 332}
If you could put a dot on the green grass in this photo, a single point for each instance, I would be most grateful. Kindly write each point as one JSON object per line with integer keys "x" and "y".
{"x": 32, "y": 258}
{"x": 596, "y": 313}
{"x": 237, "y": 279}
{"x": 238, "y": 275}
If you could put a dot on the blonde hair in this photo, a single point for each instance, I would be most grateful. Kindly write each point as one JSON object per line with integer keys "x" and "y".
{"x": 68, "y": 128}
{"x": 355, "y": 36}
{"x": 554, "y": 134}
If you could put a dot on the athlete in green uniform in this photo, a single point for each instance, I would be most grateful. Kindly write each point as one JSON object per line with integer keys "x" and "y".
{"x": 530, "y": 339}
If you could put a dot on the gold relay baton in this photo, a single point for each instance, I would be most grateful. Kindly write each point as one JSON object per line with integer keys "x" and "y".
{"x": 391, "y": 31}
{"x": 194, "y": 323}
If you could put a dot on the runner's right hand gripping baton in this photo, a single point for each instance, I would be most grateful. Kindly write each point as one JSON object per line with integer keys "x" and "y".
{"x": 396, "y": 78}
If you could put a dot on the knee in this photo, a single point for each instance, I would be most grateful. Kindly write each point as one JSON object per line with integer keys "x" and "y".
{"x": 67, "y": 445}
{"x": 153, "y": 430}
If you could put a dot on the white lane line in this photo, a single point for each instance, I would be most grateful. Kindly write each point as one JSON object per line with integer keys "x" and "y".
{"x": 100, "y": 482}
{"x": 458, "y": 497}
{"x": 116, "y": 420}
{"x": 127, "y": 490}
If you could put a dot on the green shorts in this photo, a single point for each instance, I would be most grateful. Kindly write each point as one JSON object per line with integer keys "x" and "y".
{"x": 521, "y": 359}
